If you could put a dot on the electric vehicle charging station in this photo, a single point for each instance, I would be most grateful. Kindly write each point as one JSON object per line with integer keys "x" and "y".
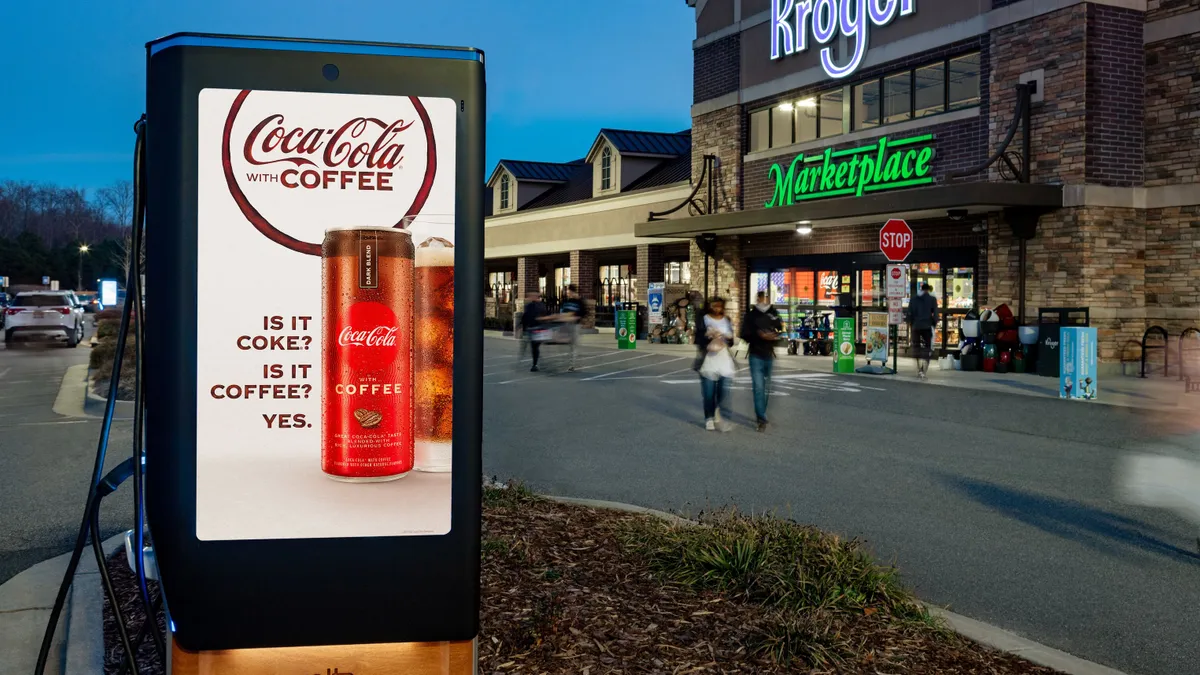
{"x": 279, "y": 410}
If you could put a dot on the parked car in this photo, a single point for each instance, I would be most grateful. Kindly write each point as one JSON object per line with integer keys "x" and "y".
{"x": 4, "y": 300}
{"x": 90, "y": 300}
{"x": 54, "y": 315}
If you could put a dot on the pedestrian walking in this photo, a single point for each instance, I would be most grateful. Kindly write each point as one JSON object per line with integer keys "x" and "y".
{"x": 572, "y": 315}
{"x": 923, "y": 311}
{"x": 760, "y": 330}
{"x": 531, "y": 321}
{"x": 715, "y": 364}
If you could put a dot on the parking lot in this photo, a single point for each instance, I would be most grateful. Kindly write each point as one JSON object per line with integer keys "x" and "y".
{"x": 997, "y": 504}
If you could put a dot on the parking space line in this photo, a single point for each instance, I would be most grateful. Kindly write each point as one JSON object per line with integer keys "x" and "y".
{"x": 617, "y": 372}
{"x": 520, "y": 379}
{"x": 4, "y": 372}
{"x": 652, "y": 377}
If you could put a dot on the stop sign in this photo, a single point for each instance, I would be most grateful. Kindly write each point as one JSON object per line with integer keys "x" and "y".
{"x": 896, "y": 240}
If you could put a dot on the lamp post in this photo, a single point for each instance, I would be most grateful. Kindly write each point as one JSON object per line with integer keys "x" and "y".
{"x": 83, "y": 248}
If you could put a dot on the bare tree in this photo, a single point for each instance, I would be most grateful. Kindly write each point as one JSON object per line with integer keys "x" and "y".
{"x": 117, "y": 203}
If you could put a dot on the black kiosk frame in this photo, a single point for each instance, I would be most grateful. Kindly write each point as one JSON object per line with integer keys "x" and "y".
{"x": 224, "y": 595}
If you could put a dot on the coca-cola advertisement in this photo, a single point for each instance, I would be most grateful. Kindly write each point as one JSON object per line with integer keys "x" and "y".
{"x": 325, "y": 313}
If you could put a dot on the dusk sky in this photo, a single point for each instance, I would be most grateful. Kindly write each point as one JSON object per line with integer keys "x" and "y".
{"x": 73, "y": 78}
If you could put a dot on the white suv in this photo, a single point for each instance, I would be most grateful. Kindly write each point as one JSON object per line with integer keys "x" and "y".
{"x": 44, "y": 314}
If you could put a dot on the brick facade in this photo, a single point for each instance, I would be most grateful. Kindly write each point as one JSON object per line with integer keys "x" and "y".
{"x": 1098, "y": 125}
{"x": 1172, "y": 124}
{"x": 583, "y": 276}
{"x": 649, "y": 267}
{"x": 1165, "y": 9}
{"x": 527, "y": 277}
{"x": 716, "y": 68}
{"x": 1055, "y": 42}
{"x": 959, "y": 146}
{"x": 1115, "y": 96}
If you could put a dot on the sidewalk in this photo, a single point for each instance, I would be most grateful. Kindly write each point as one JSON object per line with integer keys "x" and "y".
{"x": 1152, "y": 393}
{"x": 25, "y": 602}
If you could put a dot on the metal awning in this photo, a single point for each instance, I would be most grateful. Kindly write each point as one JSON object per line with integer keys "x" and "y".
{"x": 914, "y": 204}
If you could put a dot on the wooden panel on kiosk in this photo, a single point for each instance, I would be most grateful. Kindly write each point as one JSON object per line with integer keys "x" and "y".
{"x": 425, "y": 658}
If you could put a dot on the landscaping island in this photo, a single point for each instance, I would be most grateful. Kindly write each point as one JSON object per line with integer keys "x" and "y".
{"x": 574, "y": 590}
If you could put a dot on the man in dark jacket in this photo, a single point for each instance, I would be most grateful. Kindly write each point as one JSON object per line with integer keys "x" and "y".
{"x": 760, "y": 330}
{"x": 535, "y": 312}
{"x": 923, "y": 312}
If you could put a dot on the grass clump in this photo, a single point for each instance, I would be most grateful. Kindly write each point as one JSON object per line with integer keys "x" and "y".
{"x": 776, "y": 562}
{"x": 508, "y": 495}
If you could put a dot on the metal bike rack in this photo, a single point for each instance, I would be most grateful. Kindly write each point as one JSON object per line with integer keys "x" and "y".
{"x": 1156, "y": 330}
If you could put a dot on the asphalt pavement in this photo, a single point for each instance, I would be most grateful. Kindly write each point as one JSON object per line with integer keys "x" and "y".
{"x": 46, "y": 459}
{"x": 997, "y": 506}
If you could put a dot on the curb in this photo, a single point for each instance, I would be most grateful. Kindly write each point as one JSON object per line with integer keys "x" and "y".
{"x": 25, "y": 602}
{"x": 94, "y": 405}
{"x": 1004, "y": 641}
{"x": 985, "y": 634}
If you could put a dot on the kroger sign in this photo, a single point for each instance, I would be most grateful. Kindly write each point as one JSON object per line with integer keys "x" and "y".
{"x": 793, "y": 20}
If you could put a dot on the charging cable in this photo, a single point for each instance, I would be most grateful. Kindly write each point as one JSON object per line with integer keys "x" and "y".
{"x": 102, "y": 485}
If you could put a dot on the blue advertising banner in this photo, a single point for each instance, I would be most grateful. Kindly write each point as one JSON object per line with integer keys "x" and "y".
{"x": 655, "y": 301}
{"x": 1077, "y": 361}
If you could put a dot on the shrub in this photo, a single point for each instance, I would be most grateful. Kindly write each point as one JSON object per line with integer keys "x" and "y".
{"x": 775, "y": 562}
{"x": 107, "y": 328}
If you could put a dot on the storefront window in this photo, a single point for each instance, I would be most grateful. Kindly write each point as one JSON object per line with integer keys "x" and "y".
{"x": 866, "y": 105}
{"x": 931, "y": 90}
{"x": 871, "y": 292}
{"x": 961, "y": 282}
{"x": 760, "y": 130}
{"x": 964, "y": 81}
{"x": 781, "y": 125}
{"x": 677, "y": 273}
{"x": 500, "y": 286}
{"x": 806, "y": 120}
{"x": 829, "y": 284}
{"x": 615, "y": 284}
{"x": 562, "y": 279}
{"x": 897, "y": 97}
{"x": 831, "y": 113}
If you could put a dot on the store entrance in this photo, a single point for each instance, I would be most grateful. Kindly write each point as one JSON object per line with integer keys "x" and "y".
{"x": 806, "y": 289}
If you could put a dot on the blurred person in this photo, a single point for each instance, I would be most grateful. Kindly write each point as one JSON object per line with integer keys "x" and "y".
{"x": 1164, "y": 475}
{"x": 714, "y": 363}
{"x": 531, "y": 320}
{"x": 923, "y": 316}
{"x": 760, "y": 330}
{"x": 572, "y": 313}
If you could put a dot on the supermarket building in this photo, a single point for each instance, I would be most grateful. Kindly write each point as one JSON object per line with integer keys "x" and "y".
{"x": 1066, "y": 129}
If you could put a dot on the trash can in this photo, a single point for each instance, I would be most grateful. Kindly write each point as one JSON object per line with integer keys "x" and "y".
{"x": 626, "y": 326}
{"x": 1050, "y": 320}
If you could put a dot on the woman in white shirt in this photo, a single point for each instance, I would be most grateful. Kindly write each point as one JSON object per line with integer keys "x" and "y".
{"x": 715, "y": 363}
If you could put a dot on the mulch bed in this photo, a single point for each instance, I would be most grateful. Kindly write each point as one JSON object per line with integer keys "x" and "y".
{"x": 563, "y": 593}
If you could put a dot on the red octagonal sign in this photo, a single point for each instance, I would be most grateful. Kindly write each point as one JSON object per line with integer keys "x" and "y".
{"x": 896, "y": 240}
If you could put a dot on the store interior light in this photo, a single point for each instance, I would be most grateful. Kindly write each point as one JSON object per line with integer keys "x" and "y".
{"x": 807, "y": 103}
{"x": 786, "y": 106}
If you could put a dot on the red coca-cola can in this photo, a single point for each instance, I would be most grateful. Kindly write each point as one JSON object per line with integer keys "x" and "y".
{"x": 367, "y": 354}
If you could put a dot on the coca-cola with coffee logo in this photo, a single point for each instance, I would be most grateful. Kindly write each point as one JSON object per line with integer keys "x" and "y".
{"x": 367, "y": 354}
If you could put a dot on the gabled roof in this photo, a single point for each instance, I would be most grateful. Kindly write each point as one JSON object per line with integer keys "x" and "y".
{"x": 644, "y": 143}
{"x": 669, "y": 172}
{"x": 538, "y": 172}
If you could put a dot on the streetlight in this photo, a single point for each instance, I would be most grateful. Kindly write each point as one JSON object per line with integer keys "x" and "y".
{"x": 83, "y": 248}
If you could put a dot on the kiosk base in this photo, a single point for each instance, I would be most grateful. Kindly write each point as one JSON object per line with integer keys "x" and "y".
{"x": 409, "y": 658}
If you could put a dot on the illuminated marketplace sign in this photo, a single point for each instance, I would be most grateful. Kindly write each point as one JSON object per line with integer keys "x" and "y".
{"x": 793, "y": 20}
{"x": 884, "y": 165}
